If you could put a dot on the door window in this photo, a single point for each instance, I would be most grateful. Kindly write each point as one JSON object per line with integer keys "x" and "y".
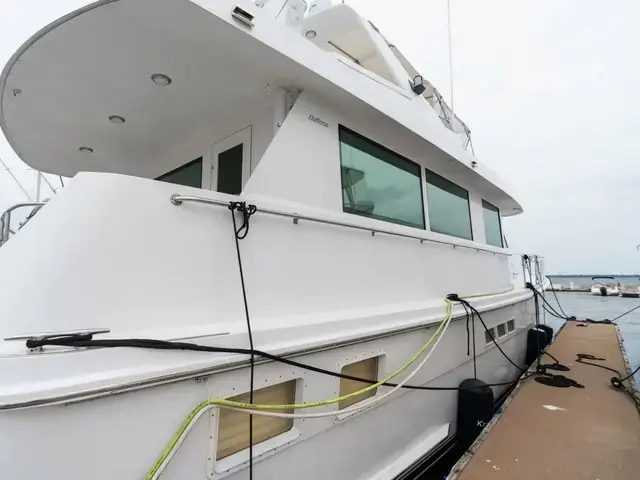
{"x": 231, "y": 162}
{"x": 230, "y": 170}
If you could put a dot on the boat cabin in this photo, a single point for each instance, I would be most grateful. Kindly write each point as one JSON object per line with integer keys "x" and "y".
{"x": 309, "y": 105}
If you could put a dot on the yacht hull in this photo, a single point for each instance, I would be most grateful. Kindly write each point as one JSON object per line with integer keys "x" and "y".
{"x": 134, "y": 426}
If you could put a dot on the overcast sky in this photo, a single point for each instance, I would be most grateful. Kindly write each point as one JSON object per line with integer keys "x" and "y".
{"x": 549, "y": 88}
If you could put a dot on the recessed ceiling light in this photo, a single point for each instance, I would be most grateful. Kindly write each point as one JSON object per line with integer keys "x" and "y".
{"x": 310, "y": 34}
{"x": 86, "y": 149}
{"x": 116, "y": 119}
{"x": 161, "y": 79}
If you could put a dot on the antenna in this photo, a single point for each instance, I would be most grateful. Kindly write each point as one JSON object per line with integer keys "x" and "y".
{"x": 450, "y": 54}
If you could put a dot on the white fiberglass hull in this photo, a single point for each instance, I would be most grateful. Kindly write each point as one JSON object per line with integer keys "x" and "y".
{"x": 313, "y": 291}
{"x": 133, "y": 428}
{"x": 605, "y": 291}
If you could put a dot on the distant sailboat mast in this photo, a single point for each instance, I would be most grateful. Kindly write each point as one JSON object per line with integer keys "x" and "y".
{"x": 39, "y": 178}
{"x": 8, "y": 170}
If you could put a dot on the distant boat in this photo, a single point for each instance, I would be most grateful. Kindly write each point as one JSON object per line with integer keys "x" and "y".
{"x": 605, "y": 289}
{"x": 630, "y": 291}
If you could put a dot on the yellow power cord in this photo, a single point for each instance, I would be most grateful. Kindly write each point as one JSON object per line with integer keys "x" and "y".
{"x": 321, "y": 403}
{"x": 230, "y": 403}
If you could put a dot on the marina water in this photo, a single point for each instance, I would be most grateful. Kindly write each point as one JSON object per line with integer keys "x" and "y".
{"x": 596, "y": 307}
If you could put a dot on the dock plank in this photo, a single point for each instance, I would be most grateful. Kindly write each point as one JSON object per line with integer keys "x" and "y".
{"x": 564, "y": 433}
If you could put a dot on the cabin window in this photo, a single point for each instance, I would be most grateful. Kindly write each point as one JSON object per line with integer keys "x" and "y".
{"x": 489, "y": 335}
{"x": 511, "y": 325}
{"x": 502, "y": 330}
{"x": 233, "y": 426}
{"x": 367, "y": 369}
{"x": 189, "y": 175}
{"x": 379, "y": 183}
{"x": 448, "y": 206}
{"x": 492, "y": 225}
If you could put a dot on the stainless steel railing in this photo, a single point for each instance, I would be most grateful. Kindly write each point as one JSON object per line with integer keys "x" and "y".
{"x": 177, "y": 199}
{"x": 5, "y": 219}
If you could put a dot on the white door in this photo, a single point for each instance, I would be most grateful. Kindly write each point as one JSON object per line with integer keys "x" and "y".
{"x": 231, "y": 162}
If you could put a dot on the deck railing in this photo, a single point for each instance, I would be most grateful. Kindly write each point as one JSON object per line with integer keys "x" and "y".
{"x": 5, "y": 219}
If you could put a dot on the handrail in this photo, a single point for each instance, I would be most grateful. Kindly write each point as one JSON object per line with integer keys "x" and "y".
{"x": 177, "y": 199}
{"x": 5, "y": 219}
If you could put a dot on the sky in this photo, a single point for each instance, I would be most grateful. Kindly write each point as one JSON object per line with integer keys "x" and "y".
{"x": 549, "y": 88}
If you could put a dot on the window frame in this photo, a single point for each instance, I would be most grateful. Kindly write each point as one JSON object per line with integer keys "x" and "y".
{"x": 490, "y": 332}
{"x": 447, "y": 182}
{"x": 218, "y": 468}
{"x": 243, "y": 137}
{"x": 492, "y": 207}
{"x": 504, "y": 333}
{"x": 375, "y": 360}
{"x": 289, "y": 387}
{"x": 403, "y": 163}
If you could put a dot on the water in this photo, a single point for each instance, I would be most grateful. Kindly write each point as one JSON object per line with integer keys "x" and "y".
{"x": 584, "y": 281}
{"x": 596, "y": 307}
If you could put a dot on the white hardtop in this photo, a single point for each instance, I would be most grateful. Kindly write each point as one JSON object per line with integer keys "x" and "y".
{"x": 67, "y": 83}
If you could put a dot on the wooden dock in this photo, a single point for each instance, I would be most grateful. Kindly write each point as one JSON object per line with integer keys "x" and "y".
{"x": 545, "y": 432}
{"x": 569, "y": 290}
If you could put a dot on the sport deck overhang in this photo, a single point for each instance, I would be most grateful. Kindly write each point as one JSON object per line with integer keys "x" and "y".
{"x": 59, "y": 89}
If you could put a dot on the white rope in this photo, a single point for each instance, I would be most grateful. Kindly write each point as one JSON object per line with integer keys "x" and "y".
{"x": 355, "y": 408}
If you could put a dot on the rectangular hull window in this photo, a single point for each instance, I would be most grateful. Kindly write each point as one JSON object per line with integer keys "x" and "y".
{"x": 189, "y": 175}
{"x": 448, "y": 207}
{"x": 379, "y": 183}
{"x": 367, "y": 369}
{"x": 511, "y": 326}
{"x": 502, "y": 330}
{"x": 492, "y": 224}
{"x": 233, "y": 426}
{"x": 489, "y": 335}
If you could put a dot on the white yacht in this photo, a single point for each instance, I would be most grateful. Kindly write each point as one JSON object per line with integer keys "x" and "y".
{"x": 369, "y": 211}
{"x": 605, "y": 289}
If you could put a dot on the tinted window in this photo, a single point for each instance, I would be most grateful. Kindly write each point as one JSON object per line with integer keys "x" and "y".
{"x": 379, "y": 183}
{"x": 189, "y": 175}
{"x": 230, "y": 171}
{"x": 492, "y": 227}
{"x": 489, "y": 335}
{"x": 502, "y": 330}
{"x": 448, "y": 207}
